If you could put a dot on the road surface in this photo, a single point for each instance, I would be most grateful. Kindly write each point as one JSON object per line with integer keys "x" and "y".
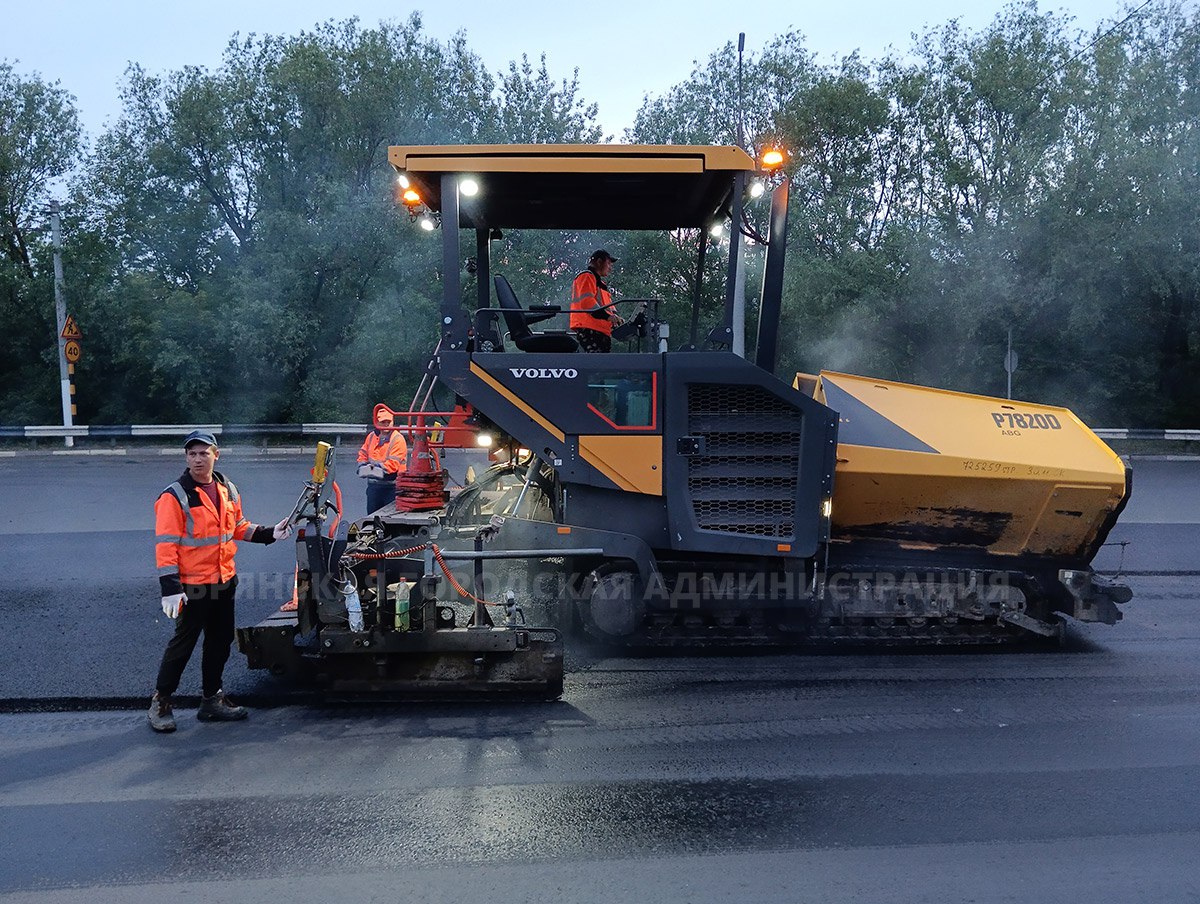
{"x": 1063, "y": 775}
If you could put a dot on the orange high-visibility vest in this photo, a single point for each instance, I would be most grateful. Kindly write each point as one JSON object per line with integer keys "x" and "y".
{"x": 588, "y": 292}
{"x": 393, "y": 454}
{"x": 194, "y": 543}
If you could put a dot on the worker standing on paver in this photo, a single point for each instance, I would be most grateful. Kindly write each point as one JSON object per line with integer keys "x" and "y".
{"x": 198, "y": 520}
{"x": 592, "y": 314}
{"x": 383, "y": 455}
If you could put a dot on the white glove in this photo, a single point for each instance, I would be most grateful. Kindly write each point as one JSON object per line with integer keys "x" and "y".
{"x": 282, "y": 530}
{"x": 173, "y": 604}
{"x": 364, "y": 470}
{"x": 377, "y": 472}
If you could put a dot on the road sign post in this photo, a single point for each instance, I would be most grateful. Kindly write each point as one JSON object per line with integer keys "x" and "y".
{"x": 1010, "y": 362}
{"x": 66, "y": 369}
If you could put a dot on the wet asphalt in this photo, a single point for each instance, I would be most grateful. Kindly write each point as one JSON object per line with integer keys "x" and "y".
{"x": 1058, "y": 775}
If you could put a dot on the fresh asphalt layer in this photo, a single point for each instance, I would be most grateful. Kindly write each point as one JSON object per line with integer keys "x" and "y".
{"x": 80, "y": 592}
{"x": 1062, "y": 774}
{"x": 81, "y": 600}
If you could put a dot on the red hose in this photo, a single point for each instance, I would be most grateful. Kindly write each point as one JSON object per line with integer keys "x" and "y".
{"x": 337, "y": 495}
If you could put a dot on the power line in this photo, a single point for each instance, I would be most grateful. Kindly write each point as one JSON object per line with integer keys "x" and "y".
{"x": 1087, "y": 47}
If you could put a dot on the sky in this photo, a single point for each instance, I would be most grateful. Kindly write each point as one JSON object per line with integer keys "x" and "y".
{"x": 624, "y": 49}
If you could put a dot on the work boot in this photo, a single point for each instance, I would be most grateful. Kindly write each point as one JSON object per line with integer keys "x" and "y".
{"x": 218, "y": 708}
{"x": 160, "y": 716}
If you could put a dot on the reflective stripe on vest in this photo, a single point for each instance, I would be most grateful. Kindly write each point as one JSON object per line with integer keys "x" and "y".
{"x": 190, "y": 539}
{"x": 206, "y": 541}
{"x": 585, "y": 300}
{"x": 181, "y": 495}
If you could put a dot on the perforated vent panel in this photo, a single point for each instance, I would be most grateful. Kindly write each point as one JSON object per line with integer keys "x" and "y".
{"x": 745, "y": 482}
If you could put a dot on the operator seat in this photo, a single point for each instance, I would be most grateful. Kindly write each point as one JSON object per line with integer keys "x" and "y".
{"x": 518, "y": 326}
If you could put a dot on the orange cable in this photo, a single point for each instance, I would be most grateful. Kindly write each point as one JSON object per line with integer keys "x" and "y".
{"x": 337, "y": 493}
{"x": 437, "y": 554}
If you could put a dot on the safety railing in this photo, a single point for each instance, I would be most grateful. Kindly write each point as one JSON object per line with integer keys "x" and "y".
{"x": 108, "y": 431}
{"x": 1140, "y": 433}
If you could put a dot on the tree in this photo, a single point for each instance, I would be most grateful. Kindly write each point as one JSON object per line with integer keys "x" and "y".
{"x": 992, "y": 109}
{"x": 1127, "y": 221}
{"x": 40, "y": 140}
{"x": 251, "y": 211}
{"x": 532, "y": 109}
{"x": 236, "y": 229}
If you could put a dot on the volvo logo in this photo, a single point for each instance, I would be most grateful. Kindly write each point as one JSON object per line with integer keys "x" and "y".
{"x": 545, "y": 373}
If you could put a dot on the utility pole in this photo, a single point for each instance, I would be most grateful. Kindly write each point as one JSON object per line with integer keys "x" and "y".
{"x": 60, "y": 309}
{"x": 741, "y": 105}
{"x": 739, "y": 283}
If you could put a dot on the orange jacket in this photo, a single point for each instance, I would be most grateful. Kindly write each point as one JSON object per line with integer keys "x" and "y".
{"x": 393, "y": 454}
{"x": 588, "y": 292}
{"x": 194, "y": 543}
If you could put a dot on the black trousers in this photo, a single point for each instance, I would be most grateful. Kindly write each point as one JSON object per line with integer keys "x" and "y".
{"x": 208, "y": 611}
{"x": 380, "y": 493}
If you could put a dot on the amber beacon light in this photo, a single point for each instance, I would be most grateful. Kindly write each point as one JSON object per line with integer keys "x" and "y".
{"x": 772, "y": 159}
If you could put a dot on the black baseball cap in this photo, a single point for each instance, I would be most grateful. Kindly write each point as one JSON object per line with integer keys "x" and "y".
{"x": 199, "y": 436}
{"x": 602, "y": 255}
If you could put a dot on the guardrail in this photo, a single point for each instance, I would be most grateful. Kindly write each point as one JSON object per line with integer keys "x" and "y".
{"x": 1139, "y": 433}
{"x": 167, "y": 430}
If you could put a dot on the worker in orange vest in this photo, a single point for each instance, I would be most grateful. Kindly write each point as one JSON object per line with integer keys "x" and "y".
{"x": 383, "y": 455}
{"x": 197, "y": 521}
{"x": 592, "y": 317}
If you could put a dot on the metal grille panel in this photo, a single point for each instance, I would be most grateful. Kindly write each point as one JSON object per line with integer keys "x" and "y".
{"x": 746, "y": 481}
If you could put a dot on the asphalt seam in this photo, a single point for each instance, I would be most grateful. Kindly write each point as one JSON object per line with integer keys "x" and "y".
{"x": 18, "y": 705}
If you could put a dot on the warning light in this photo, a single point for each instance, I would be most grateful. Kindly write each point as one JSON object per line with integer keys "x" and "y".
{"x": 403, "y": 181}
{"x": 469, "y": 187}
{"x": 411, "y": 197}
{"x": 772, "y": 158}
{"x": 427, "y": 224}
{"x": 757, "y": 189}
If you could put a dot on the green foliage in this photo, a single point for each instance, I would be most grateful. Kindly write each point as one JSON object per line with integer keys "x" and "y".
{"x": 249, "y": 212}
{"x": 533, "y": 110}
{"x": 235, "y": 252}
{"x": 39, "y": 143}
{"x": 1016, "y": 177}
